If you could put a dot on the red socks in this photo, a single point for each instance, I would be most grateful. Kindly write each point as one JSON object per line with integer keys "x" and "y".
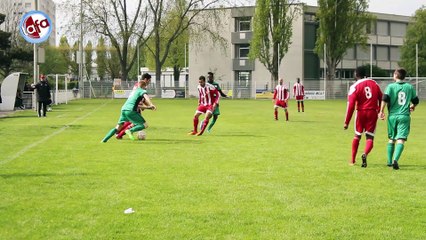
{"x": 355, "y": 144}
{"x": 195, "y": 124}
{"x": 368, "y": 146}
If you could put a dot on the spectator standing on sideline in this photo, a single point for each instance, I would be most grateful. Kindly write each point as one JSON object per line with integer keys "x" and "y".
{"x": 401, "y": 99}
{"x": 281, "y": 96}
{"x": 364, "y": 95}
{"x": 299, "y": 94}
{"x": 43, "y": 95}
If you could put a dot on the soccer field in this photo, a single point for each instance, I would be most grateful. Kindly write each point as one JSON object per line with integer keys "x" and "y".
{"x": 250, "y": 178}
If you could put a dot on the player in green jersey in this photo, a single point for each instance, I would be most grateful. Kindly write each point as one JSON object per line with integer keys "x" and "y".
{"x": 216, "y": 112}
{"x": 129, "y": 111}
{"x": 401, "y": 99}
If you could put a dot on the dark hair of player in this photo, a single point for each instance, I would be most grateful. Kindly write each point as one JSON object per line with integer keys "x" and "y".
{"x": 401, "y": 73}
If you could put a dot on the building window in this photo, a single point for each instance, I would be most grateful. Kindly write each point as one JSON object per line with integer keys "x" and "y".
{"x": 362, "y": 53}
{"x": 27, "y": 5}
{"x": 382, "y": 28}
{"x": 243, "y": 78}
{"x": 309, "y": 17}
{"x": 398, "y": 29}
{"x": 395, "y": 53}
{"x": 243, "y": 24}
{"x": 350, "y": 54}
{"x": 242, "y": 51}
{"x": 371, "y": 28}
{"x": 382, "y": 53}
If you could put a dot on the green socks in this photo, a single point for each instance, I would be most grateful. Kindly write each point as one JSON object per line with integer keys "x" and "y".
{"x": 212, "y": 123}
{"x": 109, "y": 135}
{"x": 398, "y": 151}
{"x": 391, "y": 148}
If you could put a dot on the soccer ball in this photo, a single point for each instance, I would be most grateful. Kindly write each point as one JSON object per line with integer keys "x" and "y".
{"x": 141, "y": 135}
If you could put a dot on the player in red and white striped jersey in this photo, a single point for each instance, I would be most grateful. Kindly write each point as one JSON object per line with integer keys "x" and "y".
{"x": 299, "y": 94}
{"x": 281, "y": 96}
{"x": 364, "y": 95}
{"x": 207, "y": 102}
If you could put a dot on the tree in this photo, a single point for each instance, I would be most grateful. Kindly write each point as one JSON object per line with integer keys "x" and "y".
{"x": 113, "y": 63}
{"x": 184, "y": 13}
{"x": 12, "y": 57}
{"x": 342, "y": 25}
{"x": 272, "y": 32}
{"x": 376, "y": 71}
{"x": 88, "y": 50}
{"x": 54, "y": 61}
{"x": 121, "y": 25}
{"x": 101, "y": 60}
{"x": 416, "y": 34}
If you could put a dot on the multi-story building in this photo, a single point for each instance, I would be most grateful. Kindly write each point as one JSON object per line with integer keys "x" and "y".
{"x": 235, "y": 71}
{"x": 15, "y": 9}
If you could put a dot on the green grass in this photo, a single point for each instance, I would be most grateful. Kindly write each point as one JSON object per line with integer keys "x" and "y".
{"x": 251, "y": 178}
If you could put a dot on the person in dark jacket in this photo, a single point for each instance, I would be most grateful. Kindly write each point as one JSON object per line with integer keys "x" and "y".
{"x": 43, "y": 95}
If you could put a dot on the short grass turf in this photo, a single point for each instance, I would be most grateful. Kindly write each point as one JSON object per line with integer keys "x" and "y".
{"x": 250, "y": 178}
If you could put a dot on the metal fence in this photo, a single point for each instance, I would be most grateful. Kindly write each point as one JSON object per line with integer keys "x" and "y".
{"x": 336, "y": 89}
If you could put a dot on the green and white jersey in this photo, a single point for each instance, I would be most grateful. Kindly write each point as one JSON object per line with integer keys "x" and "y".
{"x": 400, "y": 96}
{"x": 135, "y": 97}
{"x": 216, "y": 85}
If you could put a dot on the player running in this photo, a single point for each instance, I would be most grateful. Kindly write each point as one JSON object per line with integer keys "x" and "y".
{"x": 281, "y": 96}
{"x": 299, "y": 94}
{"x": 216, "y": 112}
{"x": 364, "y": 95}
{"x": 129, "y": 111}
{"x": 207, "y": 102}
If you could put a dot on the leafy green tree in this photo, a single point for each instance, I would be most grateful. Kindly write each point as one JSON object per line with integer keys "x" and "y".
{"x": 342, "y": 25}
{"x": 165, "y": 32}
{"x": 376, "y": 71}
{"x": 121, "y": 24}
{"x": 272, "y": 32}
{"x": 54, "y": 63}
{"x": 88, "y": 51}
{"x": 12, "y": 57}
{"x": 113, "y": 63}
{"x": 74, "y": 57}
{"x": 416, "y": 34}
{"x": 101, "y": 60}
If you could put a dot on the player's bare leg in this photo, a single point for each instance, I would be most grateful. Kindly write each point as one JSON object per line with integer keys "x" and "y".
{"x": 303, "y": 106}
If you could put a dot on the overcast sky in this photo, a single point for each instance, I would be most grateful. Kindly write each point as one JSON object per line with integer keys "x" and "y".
{"x": 398, "y": 7}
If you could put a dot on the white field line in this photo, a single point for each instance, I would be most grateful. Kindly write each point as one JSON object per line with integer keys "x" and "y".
{"x": 28, "y": 147}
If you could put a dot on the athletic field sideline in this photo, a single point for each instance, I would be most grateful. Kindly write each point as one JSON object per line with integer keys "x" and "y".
{"x": 250, "y": 178}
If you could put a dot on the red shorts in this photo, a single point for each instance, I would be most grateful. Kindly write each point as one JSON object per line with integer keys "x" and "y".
{"x": 365, "y": 121}
{"x": 299, "y": 98}
{"x": 279, "y": 103}
{"x": 205, "y": 109}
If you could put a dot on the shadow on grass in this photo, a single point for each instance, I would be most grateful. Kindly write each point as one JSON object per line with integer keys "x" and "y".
{"x": 236, "y": 134}
{"x": 22, "y": 175}
{"x": 172, "y": 141}
{"x": 22, "y": 116}
{"x": 402, "y": 166}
